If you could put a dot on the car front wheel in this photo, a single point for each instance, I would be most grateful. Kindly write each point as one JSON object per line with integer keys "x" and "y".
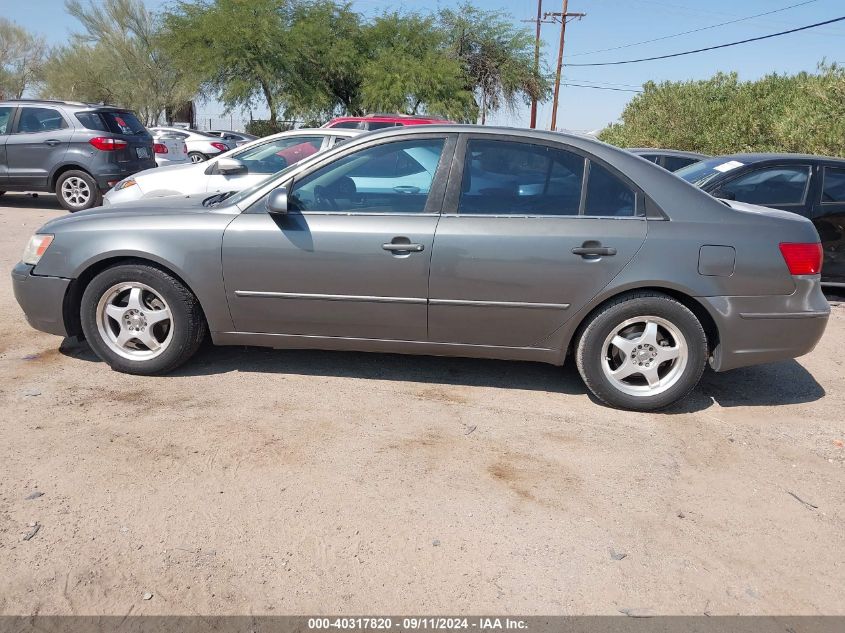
{"x": 141, "y": 320}
{"x": 643, "y": 351}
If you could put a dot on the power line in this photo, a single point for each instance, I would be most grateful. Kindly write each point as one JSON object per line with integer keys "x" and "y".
{"x": 703, "y": 28}
{"x": 600, "y": 87}
{"x": 712, "y": 48}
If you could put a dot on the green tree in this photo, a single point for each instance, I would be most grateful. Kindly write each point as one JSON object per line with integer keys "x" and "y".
{"x": 22, "y": 56}
{"x": 722, "y": 115}
{"x": 118, "y": 58}
{"x": 497, "y": 58}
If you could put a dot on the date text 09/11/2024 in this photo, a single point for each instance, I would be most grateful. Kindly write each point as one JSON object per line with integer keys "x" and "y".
{"x": 419, "y": 623}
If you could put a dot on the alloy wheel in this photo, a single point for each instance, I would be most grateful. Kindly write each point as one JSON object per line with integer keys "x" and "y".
{"x": 134, "y": 321}
{"x": 76, "y": 191}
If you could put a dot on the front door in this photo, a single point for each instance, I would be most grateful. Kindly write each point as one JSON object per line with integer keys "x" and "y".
{"x": 38, "y": 143}
{"x": 530, "y": 233}
{"x": 351, "y": 257}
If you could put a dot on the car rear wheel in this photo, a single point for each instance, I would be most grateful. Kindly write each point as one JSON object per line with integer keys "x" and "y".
{"x": 141, "y": 320}
{"x": 77, "y": 190}
{"x": 197, "y": 157}
{"x": 643, "y": 351}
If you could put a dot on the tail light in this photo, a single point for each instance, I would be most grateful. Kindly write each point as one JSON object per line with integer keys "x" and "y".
{"x": 221, "y": 146}
{"x": 802, "y": 259}
{"x": 160, "y": 148}
{"x": 106, "y": 144}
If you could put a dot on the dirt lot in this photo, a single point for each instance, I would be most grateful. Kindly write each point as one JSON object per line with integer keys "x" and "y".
{"x": 260, "y": 481}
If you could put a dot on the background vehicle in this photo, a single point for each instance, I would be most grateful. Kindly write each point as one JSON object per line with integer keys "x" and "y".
{"x": 201, "y": 145}
{"x": 638, "y": 275}
{"x": 239, "y": 138}
{"x": 169, "y": 150}
{"x": 72, "y": 149}
{"x": 381, "y": 121}
{"x": 670, "y": 159}
{"x": 811, "y": 186}
{"x": 233, "y": 171}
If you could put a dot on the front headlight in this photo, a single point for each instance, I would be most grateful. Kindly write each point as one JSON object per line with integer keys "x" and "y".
{"x": 125, "y": 183}
{"x": 37, "y": 246}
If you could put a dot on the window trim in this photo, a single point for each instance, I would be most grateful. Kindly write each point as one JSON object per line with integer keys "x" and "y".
{"x": 803, "y": 203}
{"x": 436, "y": 193}
{"x": 20, "y": 110}
{"x": 824, "y": 169}
{"x": 453, "y": 195}
{"x": 12, "y": 120}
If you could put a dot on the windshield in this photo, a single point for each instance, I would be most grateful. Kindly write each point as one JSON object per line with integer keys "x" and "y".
{"x": 699, "y": 174}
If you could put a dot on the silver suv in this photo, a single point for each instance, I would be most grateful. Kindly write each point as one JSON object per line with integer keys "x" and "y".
{"x": 76, "y": 150}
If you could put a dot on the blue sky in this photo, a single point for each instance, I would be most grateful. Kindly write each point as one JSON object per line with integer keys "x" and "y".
{"x": 608, "y": 23}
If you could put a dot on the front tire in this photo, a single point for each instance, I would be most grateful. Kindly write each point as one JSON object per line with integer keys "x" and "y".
{"x": 643, "y": 351}
{"x": 77, "y": 191}
{"x": 141, "y": 320}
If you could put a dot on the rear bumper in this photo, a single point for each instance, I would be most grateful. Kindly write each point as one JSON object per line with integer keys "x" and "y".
{"x": 41, "y": 299}
{"x": 112, "y": 173}
{"x": 755, "y": 330}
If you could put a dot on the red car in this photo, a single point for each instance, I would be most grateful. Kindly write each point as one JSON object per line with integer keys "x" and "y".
{"x": 380, "y": 121}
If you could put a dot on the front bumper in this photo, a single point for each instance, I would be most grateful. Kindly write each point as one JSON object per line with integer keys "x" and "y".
{"x": 41, "y": 299}
{"x": 129, "y": 194}
{"x": 765, "y": 329}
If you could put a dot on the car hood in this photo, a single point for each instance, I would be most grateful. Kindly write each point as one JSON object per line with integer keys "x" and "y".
{"x": 173, "y": 205}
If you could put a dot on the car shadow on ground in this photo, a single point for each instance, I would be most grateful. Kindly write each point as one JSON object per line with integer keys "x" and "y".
{"x": 765, "y": 385}
{"x": 30, "y": 201}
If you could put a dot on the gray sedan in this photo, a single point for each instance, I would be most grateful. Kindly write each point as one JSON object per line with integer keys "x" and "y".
{"x": 444, "y": 240}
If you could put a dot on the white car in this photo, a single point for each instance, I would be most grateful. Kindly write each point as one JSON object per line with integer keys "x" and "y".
{"x": 170, "y": 150}
{"x": 232, "y": 171}
{"x": 201, "y": 145}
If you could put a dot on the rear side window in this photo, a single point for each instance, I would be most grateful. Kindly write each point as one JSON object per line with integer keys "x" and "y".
{"x": 834, "y": 185}
{"x": 39, "y": 120}
{"x": 349, "y": 125}
{"x": 770, "y": 185}
{"x": 115, "y": 122}
{"x": 674, "y": 163}
{"x": 380, "y": 125}
{"x": 607, "y": 195}
{"x": 512, "y": 178}
{"x": 5, "y": 118}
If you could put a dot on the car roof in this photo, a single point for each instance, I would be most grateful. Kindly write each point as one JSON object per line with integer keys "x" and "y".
{"x": 760, "y": 157}
{"x": 67, "y": 104}
{"x": 665, "y": 152}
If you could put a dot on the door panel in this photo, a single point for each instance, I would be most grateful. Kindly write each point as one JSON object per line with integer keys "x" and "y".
{"x": 294, "y": 261}
{"x": 39, "y": 143}
{"x": 519, "y": 260}
{"x": 503, "y": 271}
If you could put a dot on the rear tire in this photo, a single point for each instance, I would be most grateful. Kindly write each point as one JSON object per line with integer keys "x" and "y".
{"x": 77, "y": 191}
{"x": 197, "y": 157}
{"x": 141, "y": 320}
{"x": 642, "y": 351}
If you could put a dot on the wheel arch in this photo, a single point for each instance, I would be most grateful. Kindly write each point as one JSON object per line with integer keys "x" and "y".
{"x": 683, "y": 296}
{"x": 59, "y": 170}
{"x": 73, "y": 296}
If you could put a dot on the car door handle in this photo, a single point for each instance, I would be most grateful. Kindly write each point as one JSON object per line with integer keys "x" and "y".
{"x": 52, "y": 142}
{"x": 594, "y": 251}
{"x": 403, "y": 248}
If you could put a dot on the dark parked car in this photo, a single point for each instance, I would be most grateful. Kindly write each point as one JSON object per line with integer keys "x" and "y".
{"x": 671, "y": 159}
{"x": 76, "y": 150}
{"x": 444, "y": 240}
{"x": 812, "y": 186}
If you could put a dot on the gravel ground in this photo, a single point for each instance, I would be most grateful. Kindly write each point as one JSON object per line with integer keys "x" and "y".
{"x": 274, "y": 482}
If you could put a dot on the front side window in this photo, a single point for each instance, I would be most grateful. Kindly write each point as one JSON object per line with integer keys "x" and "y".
{"x": 512, "y": 178}
{"x": 5, "y": 118}
{"x": 388, "y": 178}
{"x": 770, "y": 185}
{"x": 39, "y": 120}
{"x": 277, "y": 154}
{"x": 834, "y": 185}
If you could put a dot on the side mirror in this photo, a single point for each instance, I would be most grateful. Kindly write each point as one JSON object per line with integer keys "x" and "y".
{"x": 277, "y": 201}
{"x": 231, "y": 166}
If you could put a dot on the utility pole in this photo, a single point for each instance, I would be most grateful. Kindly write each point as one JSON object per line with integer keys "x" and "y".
{"x": 536, "y": 60}
{"x": 564, "y": 16}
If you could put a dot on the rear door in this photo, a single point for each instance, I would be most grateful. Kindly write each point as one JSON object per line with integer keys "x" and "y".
{"x": 38, "y": 142}
{"x": 829, "y": 218}
{"x": 530, "y": 232}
